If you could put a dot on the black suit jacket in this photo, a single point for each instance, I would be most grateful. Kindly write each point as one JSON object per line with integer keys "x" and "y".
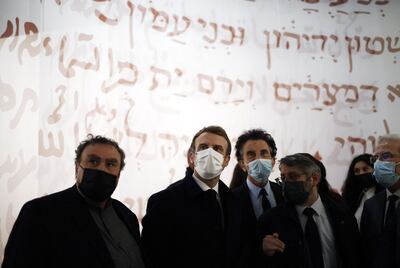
{"x": 254, "y": 247}
{"x": 178, "y": 230}
{"x": 285, "y": 221}
{"x": 57, "y": 230}
{"x": 371, "y": 228}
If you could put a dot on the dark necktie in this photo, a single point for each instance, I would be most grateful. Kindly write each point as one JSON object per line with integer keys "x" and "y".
{"x": 313, "y": 239}
{"x": 215, "y": 207}
{"x": 264, "y": 200}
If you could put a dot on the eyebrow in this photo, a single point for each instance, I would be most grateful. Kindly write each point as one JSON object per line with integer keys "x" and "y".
{"x": 107, "y": 159}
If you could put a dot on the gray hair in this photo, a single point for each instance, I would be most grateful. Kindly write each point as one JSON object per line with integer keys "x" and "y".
{"x": 389, "y": 137}
{"x": 301, "y": 162}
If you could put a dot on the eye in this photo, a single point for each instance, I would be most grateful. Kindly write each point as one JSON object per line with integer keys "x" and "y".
{"x": 265, "y": 154}
{"x": 202, "y": 147}
{"x": 386, "y": 156}
{"x": 94, "y": 161}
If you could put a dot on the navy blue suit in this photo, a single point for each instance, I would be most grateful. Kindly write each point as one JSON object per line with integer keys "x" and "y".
{"x": 179, "y": 231}
{"x": 254, "y": 247}
{"x": 375, "y": 242}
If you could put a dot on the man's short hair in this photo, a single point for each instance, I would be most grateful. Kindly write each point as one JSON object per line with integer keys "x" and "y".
{"x": 217, "y": 130}
{"x": 254, "y": 134}
{"x": 302, "y": 162}
{"x": 92, "y": 140}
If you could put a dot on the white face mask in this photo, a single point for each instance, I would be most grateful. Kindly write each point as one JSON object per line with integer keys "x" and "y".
{"x": 208, "y": 163}
{"x": 260, "y": 169}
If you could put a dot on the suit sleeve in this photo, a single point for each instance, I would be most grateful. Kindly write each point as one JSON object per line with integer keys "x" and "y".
{"x": 28, "y": 244}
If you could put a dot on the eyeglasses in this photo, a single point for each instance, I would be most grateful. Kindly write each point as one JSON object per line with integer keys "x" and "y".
{"x": 383, "y": 156}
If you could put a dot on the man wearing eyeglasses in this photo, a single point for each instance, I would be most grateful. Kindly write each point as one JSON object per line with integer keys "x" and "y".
{"x": 310, "y": 229}
{"x": 380, "y": 221}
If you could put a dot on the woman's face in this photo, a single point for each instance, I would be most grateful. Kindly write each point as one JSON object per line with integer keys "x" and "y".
{"x": 361, "y": 168}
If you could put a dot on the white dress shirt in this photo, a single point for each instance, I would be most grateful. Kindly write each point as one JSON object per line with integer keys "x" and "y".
{"x": 325, "y": 231}
{"x": 205, "y": 187}
{"x": 367, "y": 195}
{"x": 256, "y": 199}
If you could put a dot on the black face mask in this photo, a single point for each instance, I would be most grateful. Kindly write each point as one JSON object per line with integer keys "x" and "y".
{"x": 97, "y": 185}
{"x": 365, "y": 180}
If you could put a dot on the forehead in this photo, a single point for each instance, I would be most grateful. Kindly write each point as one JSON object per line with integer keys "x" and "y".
{"x": 255, "y": 145}
{"x": 284, "y": 169}
{"x": 211, "y": 139}
{"x": 360, "y": 164}
{"x": 105, "y": 151}
{"x": 392, "y": 146}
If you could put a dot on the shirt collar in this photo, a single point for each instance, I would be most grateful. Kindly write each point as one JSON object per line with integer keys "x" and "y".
{"x": 318, "y": 207}
{"x": 388, "y": 193}
{"x": 255, "y": 190}
{"x": 204, "y": 186}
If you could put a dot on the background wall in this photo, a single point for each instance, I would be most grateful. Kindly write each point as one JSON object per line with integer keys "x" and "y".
{"x": 321, "y": 76}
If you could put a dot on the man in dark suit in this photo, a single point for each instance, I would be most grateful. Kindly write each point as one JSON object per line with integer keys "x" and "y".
{"x": 196, "y": 222}
{"x": 80, "y": 226}
{"x": 310, "y": 229}
{"x": 255, "y": 153}
{"x": 380, "y": 220}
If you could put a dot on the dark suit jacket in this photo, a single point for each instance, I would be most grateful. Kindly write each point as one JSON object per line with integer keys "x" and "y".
{"x": 178, "y": 230}
{"x": 285, "y": 221}
{"x": 57, "y": 230}
{"x": 243, "y": 194}
{"x": 371, "y": 228}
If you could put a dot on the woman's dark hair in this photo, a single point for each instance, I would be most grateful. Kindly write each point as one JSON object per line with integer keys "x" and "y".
{"x": 351, "y": 189}
{"x": 238, "y": 177}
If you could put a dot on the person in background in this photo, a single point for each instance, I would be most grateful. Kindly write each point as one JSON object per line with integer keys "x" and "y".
{"x": 360, "y": 184}
{"x": 324, "y": 186}
{"x": 238, "y": 177}
{"x": 310, "y": 229}
{"x": 255, "y": 153}
{"x": 380, "y": 219}
{"x": 197, "y": 222}
{"x": 81, "y": 226}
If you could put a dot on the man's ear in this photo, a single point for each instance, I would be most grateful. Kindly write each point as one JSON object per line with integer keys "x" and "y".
{"x": 190, "y": 158}
{"x": 76, "y": 169}
{"x": 226, "y": 160}
{"x": 316, "y": 179}
{"x": 273, "y": 161}
{"x": 242, "y": 165}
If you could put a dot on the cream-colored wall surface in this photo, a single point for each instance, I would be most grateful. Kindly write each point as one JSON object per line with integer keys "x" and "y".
{"x": 321, "y": 76}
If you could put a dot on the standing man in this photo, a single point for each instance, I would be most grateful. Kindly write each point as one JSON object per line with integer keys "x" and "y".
{"x": 255, "y": 153}
{"x": 80, "y": 226}
{"x": 196, "y": 222}
{"x": 310, "y": 229}
{"x": 380, "y": 220}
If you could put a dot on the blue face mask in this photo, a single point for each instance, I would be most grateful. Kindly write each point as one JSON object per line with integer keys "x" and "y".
{"x": 260, "y": 169}
{"x": 385, "y": 173}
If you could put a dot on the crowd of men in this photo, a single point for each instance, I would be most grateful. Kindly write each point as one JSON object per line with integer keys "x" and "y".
{"x": 199, "y": 222}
